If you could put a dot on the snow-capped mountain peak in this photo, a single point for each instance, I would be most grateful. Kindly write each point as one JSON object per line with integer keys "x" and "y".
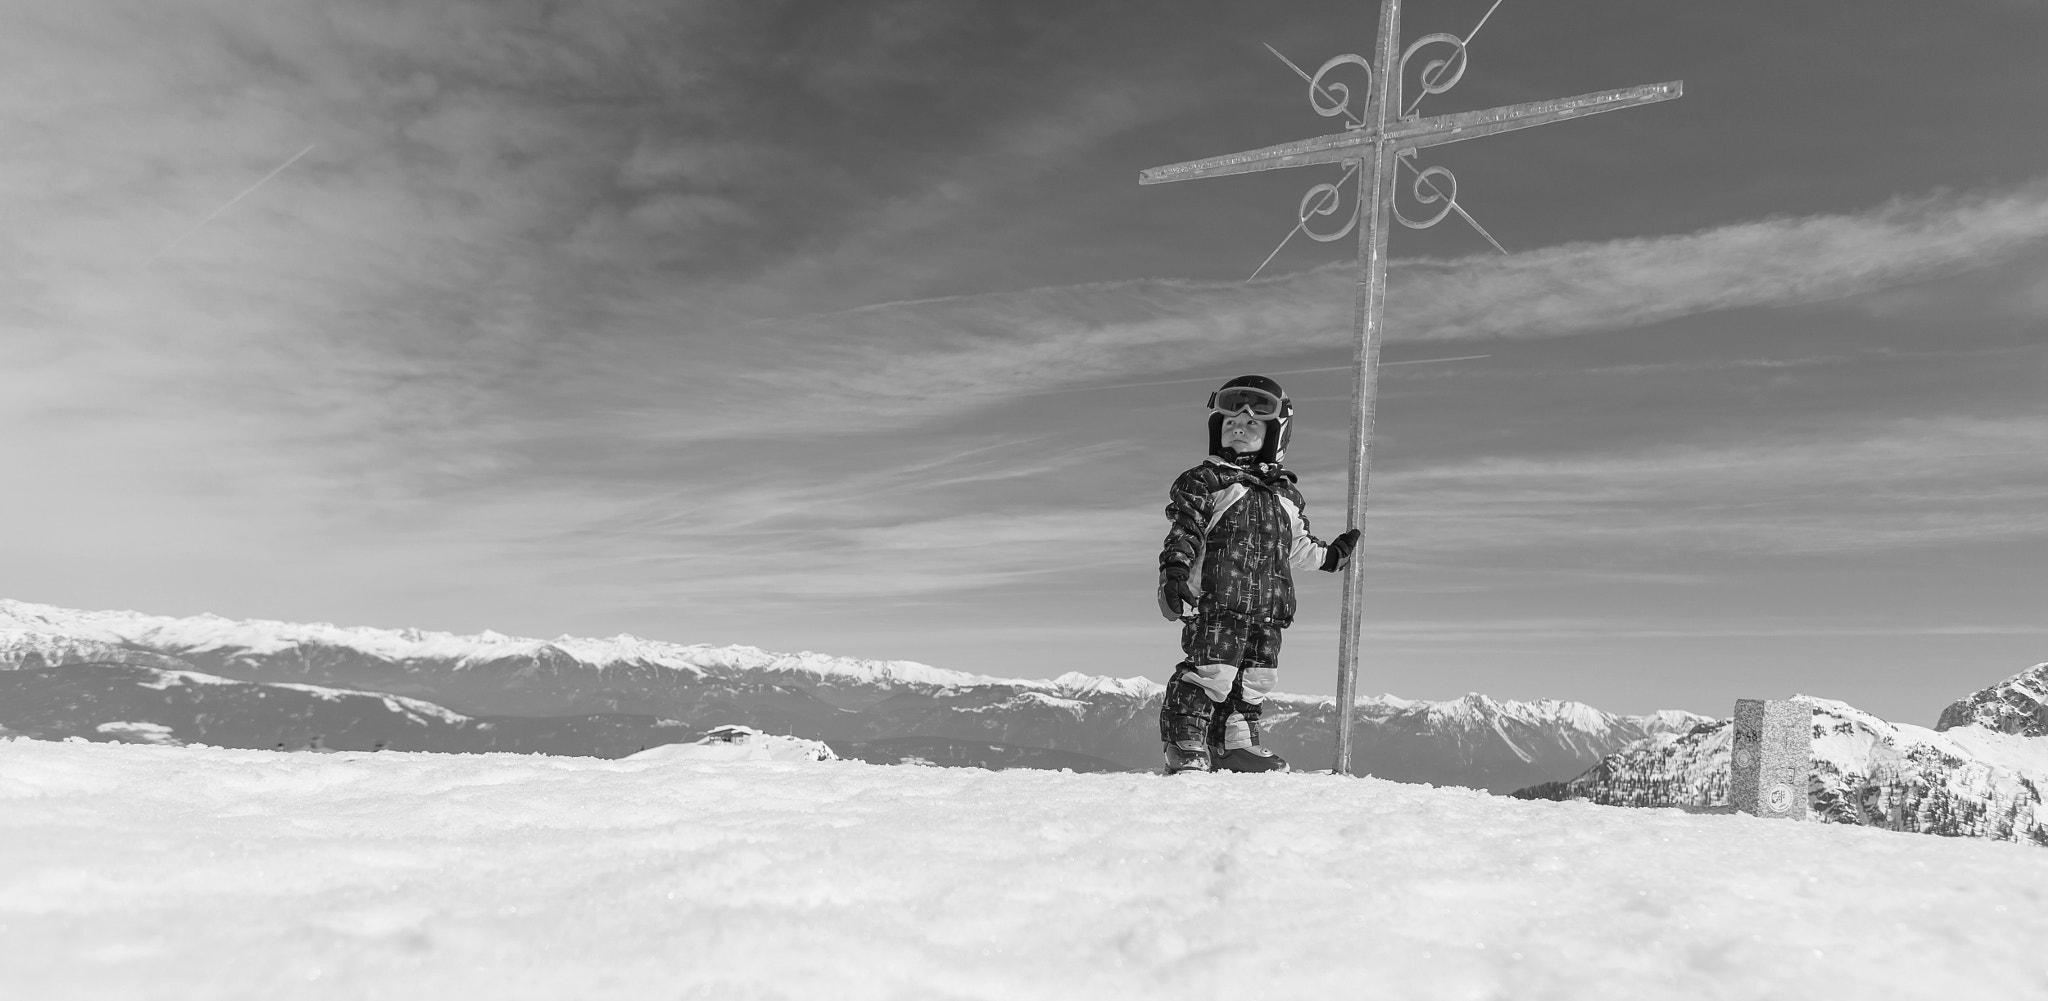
{"x": 207, "y": 631}
{"x": 1076, "y": 683}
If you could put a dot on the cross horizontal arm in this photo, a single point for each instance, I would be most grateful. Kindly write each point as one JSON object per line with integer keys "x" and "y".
{"x": 1494, "y": 121}
{"x": 1299, "y": 153}
{"x": 1413, "y": 133}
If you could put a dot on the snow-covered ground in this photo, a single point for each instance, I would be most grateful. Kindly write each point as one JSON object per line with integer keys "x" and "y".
{"x": 130, "y": 870}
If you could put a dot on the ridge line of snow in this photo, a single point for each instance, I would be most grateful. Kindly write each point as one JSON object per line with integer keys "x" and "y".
{"x": 210, "y": 632}
{"x": 166, "y": 678}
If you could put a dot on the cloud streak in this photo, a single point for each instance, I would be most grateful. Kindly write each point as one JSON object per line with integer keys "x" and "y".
{"x": 230, "y": 203}
{"x": 1668, "y": 515}
{"x": 887, "y": 365}
{"x": 1487, "y": 632}
{"x": 947, "y": 522}
{"x": 1884, "y": 486}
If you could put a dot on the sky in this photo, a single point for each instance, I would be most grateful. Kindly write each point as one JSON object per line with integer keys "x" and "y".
{"x": 199, "y": 872}
{"x": 846, "y": 327}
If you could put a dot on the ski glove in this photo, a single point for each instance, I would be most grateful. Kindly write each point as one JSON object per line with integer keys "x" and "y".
{"x": 1338, "y": 552}
{"x": 1174, "y": 591}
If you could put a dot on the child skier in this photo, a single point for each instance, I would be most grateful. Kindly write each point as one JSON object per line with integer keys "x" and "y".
{"x": 1237, "y": 529}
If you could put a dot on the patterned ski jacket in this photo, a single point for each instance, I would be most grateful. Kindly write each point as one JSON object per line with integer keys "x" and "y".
{"x": 1240, "y": 532}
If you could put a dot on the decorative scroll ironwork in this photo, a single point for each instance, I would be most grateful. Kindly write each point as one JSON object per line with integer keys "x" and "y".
{"x": 1327, "y": 197}
{"x": 1432, "y": 77}
{"x": 1333, "y": 98}
{"x": 1425, "y": 179}
{"x": 1337, "y": 93}
{"x": 1320, "y": 200}
{"x": 1427, "y": 191}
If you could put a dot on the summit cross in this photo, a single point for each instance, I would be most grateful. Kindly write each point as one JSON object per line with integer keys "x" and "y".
{"x": 1380, "y": 141}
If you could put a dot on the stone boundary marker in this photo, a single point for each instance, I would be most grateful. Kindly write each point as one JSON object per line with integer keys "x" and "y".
{"x": 1773, "y": 756}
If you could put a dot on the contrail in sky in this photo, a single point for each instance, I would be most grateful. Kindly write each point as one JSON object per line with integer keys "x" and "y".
{"x": 194, "y": 228}
{"x": 1291, "y": 371}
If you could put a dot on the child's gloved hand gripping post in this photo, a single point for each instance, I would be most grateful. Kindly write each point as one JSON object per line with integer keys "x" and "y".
{"x": 1236, "y": 534}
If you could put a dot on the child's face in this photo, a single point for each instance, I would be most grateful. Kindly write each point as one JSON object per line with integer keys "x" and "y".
{"x": 1243, "y": 433}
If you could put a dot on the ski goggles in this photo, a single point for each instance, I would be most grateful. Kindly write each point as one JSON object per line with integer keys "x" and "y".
{"x": 1246, "y": 400}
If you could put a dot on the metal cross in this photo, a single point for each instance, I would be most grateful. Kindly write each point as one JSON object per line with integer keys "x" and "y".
{"x": 1378, "y": 144}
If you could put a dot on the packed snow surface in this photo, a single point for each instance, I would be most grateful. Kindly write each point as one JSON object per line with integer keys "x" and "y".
{"x": 740, "y": 743}
{"x": 131, "y": 870}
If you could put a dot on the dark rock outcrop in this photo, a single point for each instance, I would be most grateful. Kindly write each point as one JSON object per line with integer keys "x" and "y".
{"x": 2018, "y": 705}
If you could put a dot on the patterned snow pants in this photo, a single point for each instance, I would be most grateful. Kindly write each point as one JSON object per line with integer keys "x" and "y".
{"x": 1215, "y": 694}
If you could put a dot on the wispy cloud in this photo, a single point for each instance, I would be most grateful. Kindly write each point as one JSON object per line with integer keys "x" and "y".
{"x": 504, "y": 247}
{"x": 1482, "y": 633}
{"x": 521, "y": 230}
{"x": 884, "y": 366}
{"x": 1772, "y": 262}
{"x": 1671, "y": 516}
{"x": 1882, "y": 486}
{"x": 944, "y": 522}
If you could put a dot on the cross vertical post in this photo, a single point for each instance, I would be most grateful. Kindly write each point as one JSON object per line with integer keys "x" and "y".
{"x": 1375, "y": 147}
{"x": 1369, "y": 313}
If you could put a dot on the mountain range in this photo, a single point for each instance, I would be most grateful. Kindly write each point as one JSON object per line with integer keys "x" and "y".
{"x": 1980, "y": 773}
{"x": 206, "y": 679}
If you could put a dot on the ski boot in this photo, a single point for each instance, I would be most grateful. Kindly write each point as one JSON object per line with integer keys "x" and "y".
{"x": 1238, "y": 749}
{"x": 1187, "y": 756}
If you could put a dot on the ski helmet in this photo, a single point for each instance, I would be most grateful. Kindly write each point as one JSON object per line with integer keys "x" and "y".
{"x": 1264, "y": 399}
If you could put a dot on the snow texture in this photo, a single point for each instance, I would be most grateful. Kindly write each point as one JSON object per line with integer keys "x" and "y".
{"x": 740, "y": 743}
{"x": 129, "y": 870}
